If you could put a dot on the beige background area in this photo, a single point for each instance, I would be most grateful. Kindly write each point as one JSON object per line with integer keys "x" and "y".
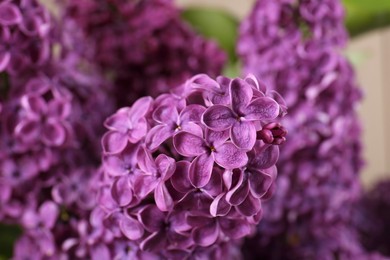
{"x": 371, "y": 56}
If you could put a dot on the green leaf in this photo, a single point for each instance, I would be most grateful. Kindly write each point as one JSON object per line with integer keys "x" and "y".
{"x": 8, "y": 235}
{"x": 365, "y": 15}
{"x": 215, "y": 24}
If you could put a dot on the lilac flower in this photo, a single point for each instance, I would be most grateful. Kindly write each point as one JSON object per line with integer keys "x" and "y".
{"x": 177, "y": 171}
{"x": 214, "y": 148}
{"x": 142, "y": 53}
{"x": 240, "y": 118}
{"x": 294, "y": 46}
{"x": 126, "y": 124}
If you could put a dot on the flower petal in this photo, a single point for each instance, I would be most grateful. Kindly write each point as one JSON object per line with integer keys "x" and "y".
{"x": 121, "y": 191}
{"x": 230, "y": 157}
{"x": 206, "y": 235}
{"x": 260, "y": 183}
{"x": 53, "y": 133}
{"x": 144, "y": 184}
{"x": 166, "y": 114}
{"x": 180, "y": 179}
{"x": 151, "y": 218}
{"x": 192, "y": 113}
{"x": 114, "y": 142}
{"x": 263, "y": 156}
{"x": 250, "y": 206}
{"x": 48, "y": 212}
{"x": 28, "y": 130}
{"x": 140, "y": 108}
{"x": 139, "y": 131}
{"x": 234, "y": 229}
{"x": 216, "y": 138}
{"x": 9, "y": 14}
{"x": 120, "y": 121}
{"x": 162, "y": 197}
{"x": 218, "y": 118}
{"x": 220, "y": 207}
{"x": 5, "y": 58}
{"x": 188, "y": 144}
{"x": 241, "y": 95}
{"x": 166, "y": 166}
{"x": 155, "y": 242}
{"x": 201, "y": 169}
{"x": 131, "y": 228}
{"x": 263, "y": 108}
{"x": 243, "y": 134}
{"x": 239, "y": 192}
{"x": 157, "y": 135}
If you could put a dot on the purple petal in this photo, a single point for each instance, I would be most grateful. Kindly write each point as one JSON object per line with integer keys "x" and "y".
{"x": 192, "y": 113}
{"x": 260, "y": 182}
{"x": 166, "y": 114}
{"x": 5, "y": 58}
{"x": 144, "y": 184}
{"x": 263, "y": 156}
{"x": 166, "y": 166}
{"x": 250, "y": 206}
{"x": 48, "y": 212}
{"x": 180, "y": 179}
{"x": 206, "y": 235}
{"x": 234, "y": 229}
{"x": 151, "y": 218}
{"x": 157, "y": 135}
{"x": 188, "y": 144}
{"x": 215, "y": 138}
{"x": 218, "y": 118}
{"x": 114, "y": 142}
{"x": 202, "y": 81}
{"x": 241, "y": 95}
{"x": 34, "y": 104}
{"x": 200, "y": 170}
{"x": 230, "y": 157}
{"x": 139, "y": 131}
{"x": 239, "y": 192}
{"x": 263, "y": 108}
{"x": 179, "y": 221}
{"x": 162, "y": 197}
{"x": 28, "y": 130}
{"x": 220, "y": 207}
{"x": 243, "y": 135}
{"x": 192, "y": 128}
{"x": 140, "y": 108}
{"x": 131, "y": 228}
{"x": 53, "y": 134}
{"x": 146, "y": 162}
{"x": 252, "y": 80}
{"x": 155, "y": 242}
{"x": 9, "y": 14}
{"x": 121, "y": 191}
{"x": 119, "y": 121}
{"x": 214, "y": 186}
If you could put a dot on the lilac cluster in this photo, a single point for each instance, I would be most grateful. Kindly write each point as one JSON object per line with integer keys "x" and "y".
{"x": 24, "y": 29}
{"x": 143, "y": 45}
{"x": 294, "y": 47}
{"x": 371, "y": 218}
{"x": 187, "y": 172}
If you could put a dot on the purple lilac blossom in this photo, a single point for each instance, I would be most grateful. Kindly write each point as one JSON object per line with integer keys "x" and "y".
{"x": 294, "y": 46}
{"x": 143, "y": 45}
{"x": 371, "y": 218}
{"x": 176, "y": 185}
{"x": 24, "y": 35}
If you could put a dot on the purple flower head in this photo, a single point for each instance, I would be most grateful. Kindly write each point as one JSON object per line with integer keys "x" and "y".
{"x": 174, "y": 187}
{"x": 142, "y": 53}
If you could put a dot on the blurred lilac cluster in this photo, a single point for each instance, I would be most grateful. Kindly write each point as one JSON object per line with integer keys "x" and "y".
{"x": 187, "y": 172}
{"x": 295, "y": 47}
{"x": 143, "y": 45}
{"x": 371, "y": 218}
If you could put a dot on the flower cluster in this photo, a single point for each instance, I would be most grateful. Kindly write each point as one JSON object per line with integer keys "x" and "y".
{"x": 188, "y": 171}
{"x": 143, "y": 45}
{"x": 371, "y": 218}
{"x": 294, "y": 47}
{"x": 24, "y": 35}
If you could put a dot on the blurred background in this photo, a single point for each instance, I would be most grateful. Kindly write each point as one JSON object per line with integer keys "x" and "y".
{"x": 370, "y": 53}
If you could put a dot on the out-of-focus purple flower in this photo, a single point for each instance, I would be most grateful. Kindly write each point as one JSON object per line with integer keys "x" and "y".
{"x": 171, "y": 190}
{"x": 294, "y": 47}
{"x": 145, "y": 56}
{"x": 371, "y": 218}
{"x": 24, "y": 35}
